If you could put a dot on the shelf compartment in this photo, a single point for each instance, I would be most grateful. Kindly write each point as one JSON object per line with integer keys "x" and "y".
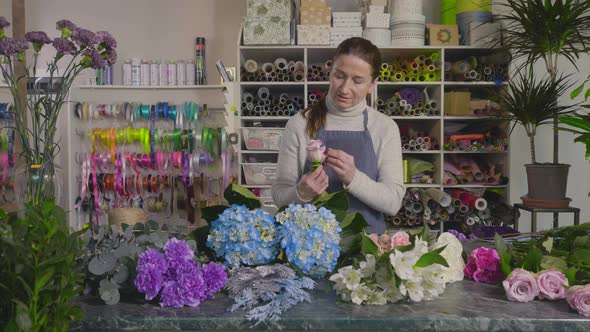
{"x": 418, "y": 100}
{"x": 419, "y": 135}
{"x": 416, "y": 170}
{"x": 272, "y": 65}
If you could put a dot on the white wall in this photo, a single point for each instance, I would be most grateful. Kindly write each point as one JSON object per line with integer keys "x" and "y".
{"x": 166, "y": 29}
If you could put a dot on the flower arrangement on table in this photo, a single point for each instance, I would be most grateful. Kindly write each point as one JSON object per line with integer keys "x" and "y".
{"x": 401, "y": 266}
{"x": 76, "y": 49}
{"x": 552, "y": 266}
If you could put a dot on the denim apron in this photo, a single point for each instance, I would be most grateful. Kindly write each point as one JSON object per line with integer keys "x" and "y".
{"x": 359, "y": 145}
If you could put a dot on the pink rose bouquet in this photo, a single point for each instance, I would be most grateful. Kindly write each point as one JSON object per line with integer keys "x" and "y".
{"x": 578, "y": 298}
{"x": 315, "y": 153}
{"x": 521, "y": 286}
{"x": 483, "y": 265}
{"x": 552, "y": 285}
{"x": 387, "y": 243}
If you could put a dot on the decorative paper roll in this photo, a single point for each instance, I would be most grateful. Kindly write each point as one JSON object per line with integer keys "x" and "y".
{"x": 280, "y": 63}
{"x": 251, "y": 65}
{"x": 379, "y": 37}
{"x": 407, "y": 176}
{"x": 406, "y": 7}
{"x": 442, "y": 198}
{"x": 463, "y": 6}
{"x": 448, "y": 12}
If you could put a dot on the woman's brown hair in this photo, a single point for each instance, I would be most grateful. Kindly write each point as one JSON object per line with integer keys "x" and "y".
{"x": 362, "y": 48}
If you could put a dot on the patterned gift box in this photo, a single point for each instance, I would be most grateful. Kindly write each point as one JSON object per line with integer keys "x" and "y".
{"x": 377, "y": 9}
{"x": 315, "y": 16}
{"x": 275, "y": 31}
{"x": 313, "y": 34}
{"x": 265, "y": 9}
{"x": 339, "y": 34}
{"x": 443, "y": 35}
{"x": 313, "y": 3}
{"x": 346, "y": 19}
{"x": 375, "y": 20}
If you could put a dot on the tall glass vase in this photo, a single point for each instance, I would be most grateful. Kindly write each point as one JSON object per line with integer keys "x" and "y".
{"x": 37, "y": 183}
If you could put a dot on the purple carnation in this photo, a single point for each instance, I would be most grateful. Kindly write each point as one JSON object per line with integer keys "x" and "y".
{"x": 215, "y": 278}
{"x": 149, "y": 281}
{"x": 65, "y": 24}
{"x": 178, "y": 251}
{"x": 171, "y": 295}
{"x": 64, "y": 46}
{"x": 152, "y": 259}
{"x": 110, "y": 56}
{"x": 95, "y": 60}
{"x": 84, "y": 38}
{"x": 106, "y": 39}
{"x": 3, "y": 22}
{"x": 11, "y": 47}
{"x": 193, "y": 287}
{"x": 37, "y": 37}
{"x": 460, "y": 236}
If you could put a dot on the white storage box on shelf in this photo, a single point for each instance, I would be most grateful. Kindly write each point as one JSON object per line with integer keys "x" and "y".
{"x": 408, "y": 30}
{"x": 262, "y": 138}
{"x": 377, "y": 20}
{"x": 379, "y": 37}
{"x": 260, "y": 174}
{"x": 346, "y": 19}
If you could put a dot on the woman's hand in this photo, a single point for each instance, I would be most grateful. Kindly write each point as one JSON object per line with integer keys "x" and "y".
{"x": 312, "y": 184}
{"x": 342, "y": 163}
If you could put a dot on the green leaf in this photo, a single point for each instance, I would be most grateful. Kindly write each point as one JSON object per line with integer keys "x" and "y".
{"x": 587, "y": 94}
{"x": 337, "y": 201}
{"x": 151, "y": 226}
{"x": 505, "y": 264}
{"x": 52, "y": 261}
{"x": 581, "y": 256}
{"x": 577, "y": 90}
{"x": 439, "y": 250}
{"x": 570, "y": 274}
{"x": 211, "y": 213}
{"x": 354, "y": 222}
{"x": 500, "y": 244}
{"x": 236, "y": 194}
{"x": 200, "y": 236}
{"x": 532, "y": 261}
{"x": 431, "y": 258}
{"x": 41, "y": 282}
{"x": 368, "y": 246}
{"x": 551, "y": 262}
{"x": 548, "y": 244}
{"x": 580, "y": 242}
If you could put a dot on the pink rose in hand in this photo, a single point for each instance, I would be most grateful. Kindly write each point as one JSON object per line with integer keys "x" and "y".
{"x": 400, "y": 239}
{"x": 578, "y": 298}
{"x": 521, "y": 286}
{"x": 315, "y": 151}
{"x": 552, "y": 285}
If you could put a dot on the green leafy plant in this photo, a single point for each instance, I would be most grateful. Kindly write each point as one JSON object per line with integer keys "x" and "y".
{"x": 566, "y": 249}
{"x": 38, "y": 272}
{"x": 110, "y": 253}
{"x": 579, "y": 123}
{"x": 545, "y": 30}
{"x": 531, "y": 103}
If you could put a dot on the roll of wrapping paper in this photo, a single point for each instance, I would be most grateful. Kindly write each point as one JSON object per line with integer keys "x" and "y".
{"x": 463, "y": 6}
{"x": 251, "y": 66}
{"x": 442, "y": 198}
{"x": 448, "y": 12}
{"x": 407, "y": 176}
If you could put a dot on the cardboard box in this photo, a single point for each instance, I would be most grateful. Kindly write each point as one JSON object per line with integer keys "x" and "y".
{"x": 457, "y": 103}
{"x": 375, "y": 20}
{"x": 378, "y": 3}
{"x": 377, "y": 9}
{"x": 443, "y": 35}
{"x": 262, "y": 9}
{"x": 276, "y": 31}
{"x": 313, "y": 34}
{"x": 314, "y": 13}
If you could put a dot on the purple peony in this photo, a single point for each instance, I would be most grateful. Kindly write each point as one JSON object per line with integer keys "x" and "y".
{"x": 3, "y": 22}
{"x": 106, "y": 39}
{"x": 84, "y": 38}
{"x": 11, "y": 47}
{"x": 215, "y": 278}
{"x": 64, "y": 46}
{"x": 483, "y": 265}
{"x": 171, "y": 295}
{"x": 178, "y": 251}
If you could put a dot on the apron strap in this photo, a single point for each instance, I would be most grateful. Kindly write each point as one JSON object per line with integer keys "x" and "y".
{"x": 366, "y": 119}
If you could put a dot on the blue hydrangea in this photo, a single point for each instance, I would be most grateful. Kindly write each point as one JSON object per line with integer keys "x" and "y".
{"x": 310, "y": 238}
{"x": 244, "y": 237}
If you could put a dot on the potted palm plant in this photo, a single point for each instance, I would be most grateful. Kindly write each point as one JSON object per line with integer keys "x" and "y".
{"x": 546, "y": 31}
{"x": 532, "y": 102}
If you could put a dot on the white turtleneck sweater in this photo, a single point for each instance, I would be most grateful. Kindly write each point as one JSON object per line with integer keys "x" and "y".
{"x": 384, "y": 195}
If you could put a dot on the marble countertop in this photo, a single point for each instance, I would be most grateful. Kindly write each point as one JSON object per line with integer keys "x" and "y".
{"x": 465, "y": 306}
